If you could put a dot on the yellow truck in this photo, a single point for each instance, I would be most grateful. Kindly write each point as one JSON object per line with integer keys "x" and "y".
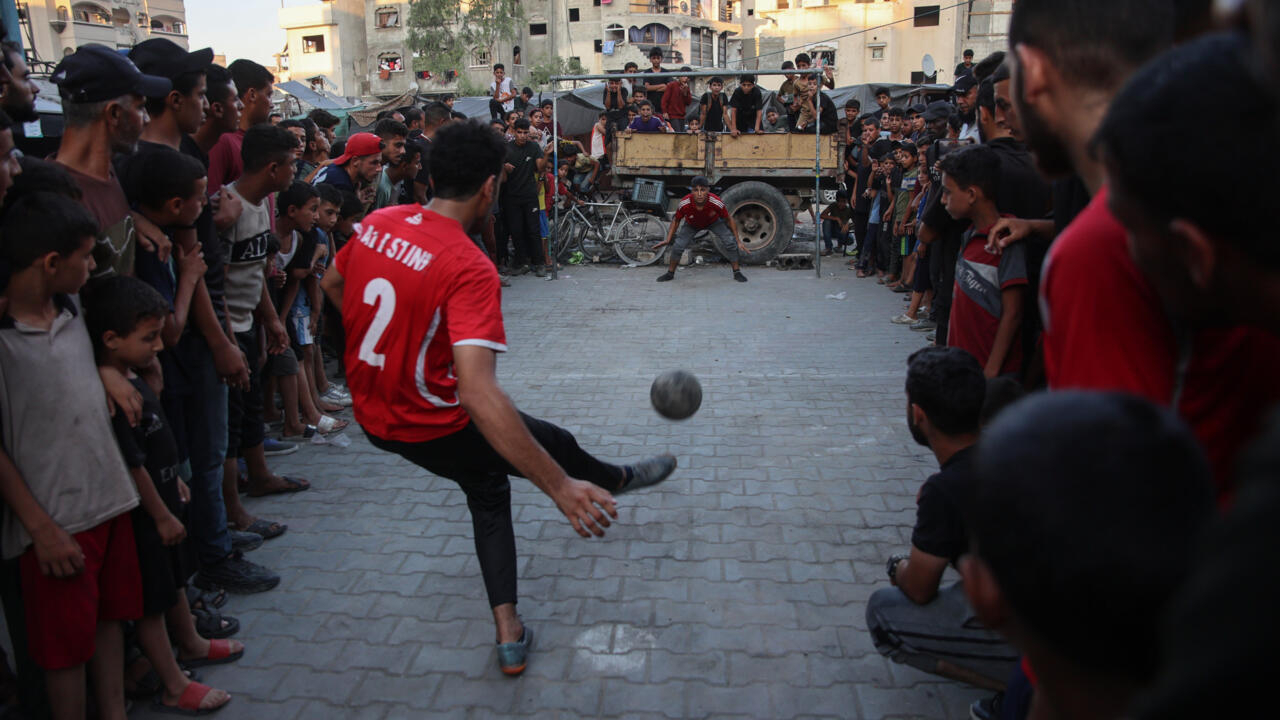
{"x": 763, "y": 178}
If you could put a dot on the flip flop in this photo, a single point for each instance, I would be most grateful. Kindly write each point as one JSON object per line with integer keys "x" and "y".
{"x": 291, "y": 486}
{"x": 189, "y": 702}
{"x": 219, "y": 654}
{"x": 213, "y": 625}
{"x": 266, "y": 528}
{"x": 329, "y": 425}
{"x": 308, "y": 432}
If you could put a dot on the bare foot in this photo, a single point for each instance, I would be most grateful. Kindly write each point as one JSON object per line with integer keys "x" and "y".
{"x": 274, "y": 485}
{"x": 201, "y": 649}
{"x": 212, "y": 700}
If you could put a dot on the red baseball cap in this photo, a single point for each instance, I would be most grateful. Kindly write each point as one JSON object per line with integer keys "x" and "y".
{"x": 360, "y": 145}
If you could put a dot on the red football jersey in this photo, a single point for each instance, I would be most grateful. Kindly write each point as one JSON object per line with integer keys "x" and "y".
{"x": 414, "y": 287}
{"x": 701, "y": 217}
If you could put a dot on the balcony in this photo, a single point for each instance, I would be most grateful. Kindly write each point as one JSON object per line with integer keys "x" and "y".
{"x": 667, "y": 7}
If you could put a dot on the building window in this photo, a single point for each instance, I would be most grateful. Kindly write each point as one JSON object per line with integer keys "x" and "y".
{"x": 87, "y": 13}
{"x": 178, "y": 27}
{"x": 826, "y": 57}
{"x": 143, "y": 20}
{"x": 387, "y": 18}
{"x": 615, "y": 33}
{"x": 700, "y": 46}
{"x": 537, "y": 28}
{"x": 877, "y": 53}
{"x": 479, "y": 58}
{"x": 390, "y": 62}
{"x": 599, "y": 46}
{"x": 784, "y": 4}
{"x": 64, "y": 14}
{"x": 595, "y": 3}
{"x": 574, "y": 15}
{"x": 927, "y": 15}
{"x": 515, "y": 55}
{"x": 722, "y": 51}
{"x": 312, "y": 44}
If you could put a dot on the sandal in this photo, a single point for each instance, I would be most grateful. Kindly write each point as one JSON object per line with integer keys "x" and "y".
{"x": 329, "y": 425}
{"x": 266, "y": 528}
{"x": 308, "y": 432}
{"x": 291, "y": 486}
{"x": 212, "y": 625}
{"x": 199, "y": 600}
{"x": 189, "y": 703}
{"x": 220, "y": 653}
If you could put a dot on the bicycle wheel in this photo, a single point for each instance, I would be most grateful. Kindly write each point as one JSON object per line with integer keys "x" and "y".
{"x": 567, "y": 236}
{"x": 633, "y": 239}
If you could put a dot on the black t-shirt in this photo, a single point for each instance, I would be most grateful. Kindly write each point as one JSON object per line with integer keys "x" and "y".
{"x": 863, "y": 204}
{"x": 746, "y": 107}
{"x": 655, "y": 96}
{"x": 150, "y": 444}
{"x": 424, "y": 146}
{"x": 941, "y": 508}
{"x": 615, "y": 109}
{"x": 1070, "y": 197}
{"x": 715, "y": 111}
{"x": 522, "y": 184}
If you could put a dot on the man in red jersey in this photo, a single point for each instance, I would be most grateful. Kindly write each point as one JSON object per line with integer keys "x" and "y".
{"x": 422, "y": 312}
{"x": 702, "y": 210}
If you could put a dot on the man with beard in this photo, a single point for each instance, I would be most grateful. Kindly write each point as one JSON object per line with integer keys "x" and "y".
{"x": 1105, "y": 327}
{"x": 411, "y": 285}
{"x": 919, "y": 622}
{"x": 19, "y": 100}
{"x": 103, "y": 97}
{"x": 966, "y": 92}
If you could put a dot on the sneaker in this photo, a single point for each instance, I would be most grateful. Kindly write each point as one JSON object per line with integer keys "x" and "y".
{"x": 236, "y": 575}
{"x": 244, "y": 541}
{"x": 903, "y": 319}
{"x": 666, "y": 277}
{"x": 986, "y": 708}
{"x": 513, "y": 656}
{"x": 272, "y": 447}
{"x": 649, "y": 472}
{"x": 520, "y": 270}
{"x": 737, "y": 275}
{"x": 932, "y": 337}
{"x": 503, "y": 282}
{"x": 539, "y": 271}
{"x": 336, "y": 397}
{"x": 924, "y": 324}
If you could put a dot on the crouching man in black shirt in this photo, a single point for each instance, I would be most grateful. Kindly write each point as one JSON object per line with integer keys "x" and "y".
{"x": 919, "y": 622}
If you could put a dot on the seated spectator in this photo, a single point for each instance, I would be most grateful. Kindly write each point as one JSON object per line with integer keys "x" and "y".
{"x": 919, "y": 621}
{"x": 989, "y": 294}
{"x": 1086, "y": 512}
{"x": 836, "y": 221}
{"x": 648, "y": 122}
{"x": 585, "y": 171}
{"x": 127, "y": 319}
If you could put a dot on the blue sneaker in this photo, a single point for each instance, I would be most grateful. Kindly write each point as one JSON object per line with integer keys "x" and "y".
{"x": 272, "y": 447}
{"x": 513, "y": 656}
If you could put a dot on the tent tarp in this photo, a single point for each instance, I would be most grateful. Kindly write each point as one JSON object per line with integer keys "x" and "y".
{"x": 366, "y": 117}
{"x": 324, "y": 101}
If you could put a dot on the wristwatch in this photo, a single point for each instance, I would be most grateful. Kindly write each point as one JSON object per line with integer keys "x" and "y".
{"x": 892, "y": 567}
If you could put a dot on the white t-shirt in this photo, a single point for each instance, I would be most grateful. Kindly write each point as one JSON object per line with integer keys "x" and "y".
{"x": 509, "y": 105}
{"x": 597, "y": 143}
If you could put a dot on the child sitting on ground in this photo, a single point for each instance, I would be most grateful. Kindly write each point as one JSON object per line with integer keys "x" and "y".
{"x": 127, "y": 319}
{"x": 65, "y": 489}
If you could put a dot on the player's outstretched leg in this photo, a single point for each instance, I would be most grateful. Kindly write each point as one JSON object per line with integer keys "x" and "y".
{"x": 578, "y": 463}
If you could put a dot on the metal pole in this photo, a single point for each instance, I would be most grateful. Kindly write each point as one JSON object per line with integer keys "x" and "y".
{"x": 555, "y": 152}
{"x": 702, "y": 74}
{"x": 817, "y": 182}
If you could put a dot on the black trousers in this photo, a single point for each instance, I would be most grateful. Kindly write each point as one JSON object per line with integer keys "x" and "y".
{"x": 860, "y": 221}
{"x": 466, "y": 458}
{"x": 521, "y": 220}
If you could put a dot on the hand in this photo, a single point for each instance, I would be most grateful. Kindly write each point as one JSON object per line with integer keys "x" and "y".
{"x": 151, "y": 237}
{"x": 226, "y": 209}
{"x": 57, "y": 552}
{"x": 277, "y": 338}
{"x": 313, "y": 324}
{"x": 1006, "y": 232}
{"x": 170, "y": 529}
{"x": 122, "y": 396}
{"x": 741, "y": 247}
{"x": 184, "y": 492}
{"x": 990, "y": 371}
{"x": 191, "y": 263}
{"x": 279, "y": 278}
{"x": 735, "y": 132}
{"x": 587, "y": 506}
{"x": 231, "y": 365}
{"x": 660, "y": 245}
{"x": 367, "y": 194}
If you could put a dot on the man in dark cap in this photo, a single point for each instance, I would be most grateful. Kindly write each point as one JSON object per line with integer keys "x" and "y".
{"x": 103, "y": 94}
{"x": 966, "y": 93}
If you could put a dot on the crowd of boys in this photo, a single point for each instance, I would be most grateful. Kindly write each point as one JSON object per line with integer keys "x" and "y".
{"x": 1103, "y": 532}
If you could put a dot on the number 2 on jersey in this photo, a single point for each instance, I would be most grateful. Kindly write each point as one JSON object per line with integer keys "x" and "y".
{"x": 378, "y": 292}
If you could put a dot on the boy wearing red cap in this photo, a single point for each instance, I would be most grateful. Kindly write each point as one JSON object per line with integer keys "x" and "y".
{"x": 356, "y": 170}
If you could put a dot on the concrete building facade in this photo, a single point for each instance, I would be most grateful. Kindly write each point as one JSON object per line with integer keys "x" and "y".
{"x": 361, "y": 47}
{"x": 51, "y": 29}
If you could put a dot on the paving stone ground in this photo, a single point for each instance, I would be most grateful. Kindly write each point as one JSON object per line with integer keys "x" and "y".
{"x": 736, "y": 589}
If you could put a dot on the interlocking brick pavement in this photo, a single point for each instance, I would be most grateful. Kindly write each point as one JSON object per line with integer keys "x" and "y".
{"x": 736, "y": 589}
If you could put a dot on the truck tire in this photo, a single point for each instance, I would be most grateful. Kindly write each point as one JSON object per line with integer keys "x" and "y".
{"x": 764, "y": 220}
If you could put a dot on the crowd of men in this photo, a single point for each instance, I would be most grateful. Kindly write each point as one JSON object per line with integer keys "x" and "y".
{"x": 1103, "y": 531}
{"x": 177, "y": 254}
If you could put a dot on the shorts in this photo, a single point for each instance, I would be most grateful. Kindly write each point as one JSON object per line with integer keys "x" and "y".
{"x": 63, "y": 613}
{"x": 543, "y": 225}
{"x": 283, "y": 365}
{"x": 300, "y": 329}
{"x": 164, "y": 568}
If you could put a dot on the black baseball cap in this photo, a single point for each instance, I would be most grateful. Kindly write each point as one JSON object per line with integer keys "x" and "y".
{"x": 918, "y": 109}
{"x": 937, "y": 110}
{"x": 96, "y": 73}
{"x": 163, "y": 57}
{"x": 964, "y": 83}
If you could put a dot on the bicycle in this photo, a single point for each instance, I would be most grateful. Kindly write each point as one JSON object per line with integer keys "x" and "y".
{"x": 588, "y": 227}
